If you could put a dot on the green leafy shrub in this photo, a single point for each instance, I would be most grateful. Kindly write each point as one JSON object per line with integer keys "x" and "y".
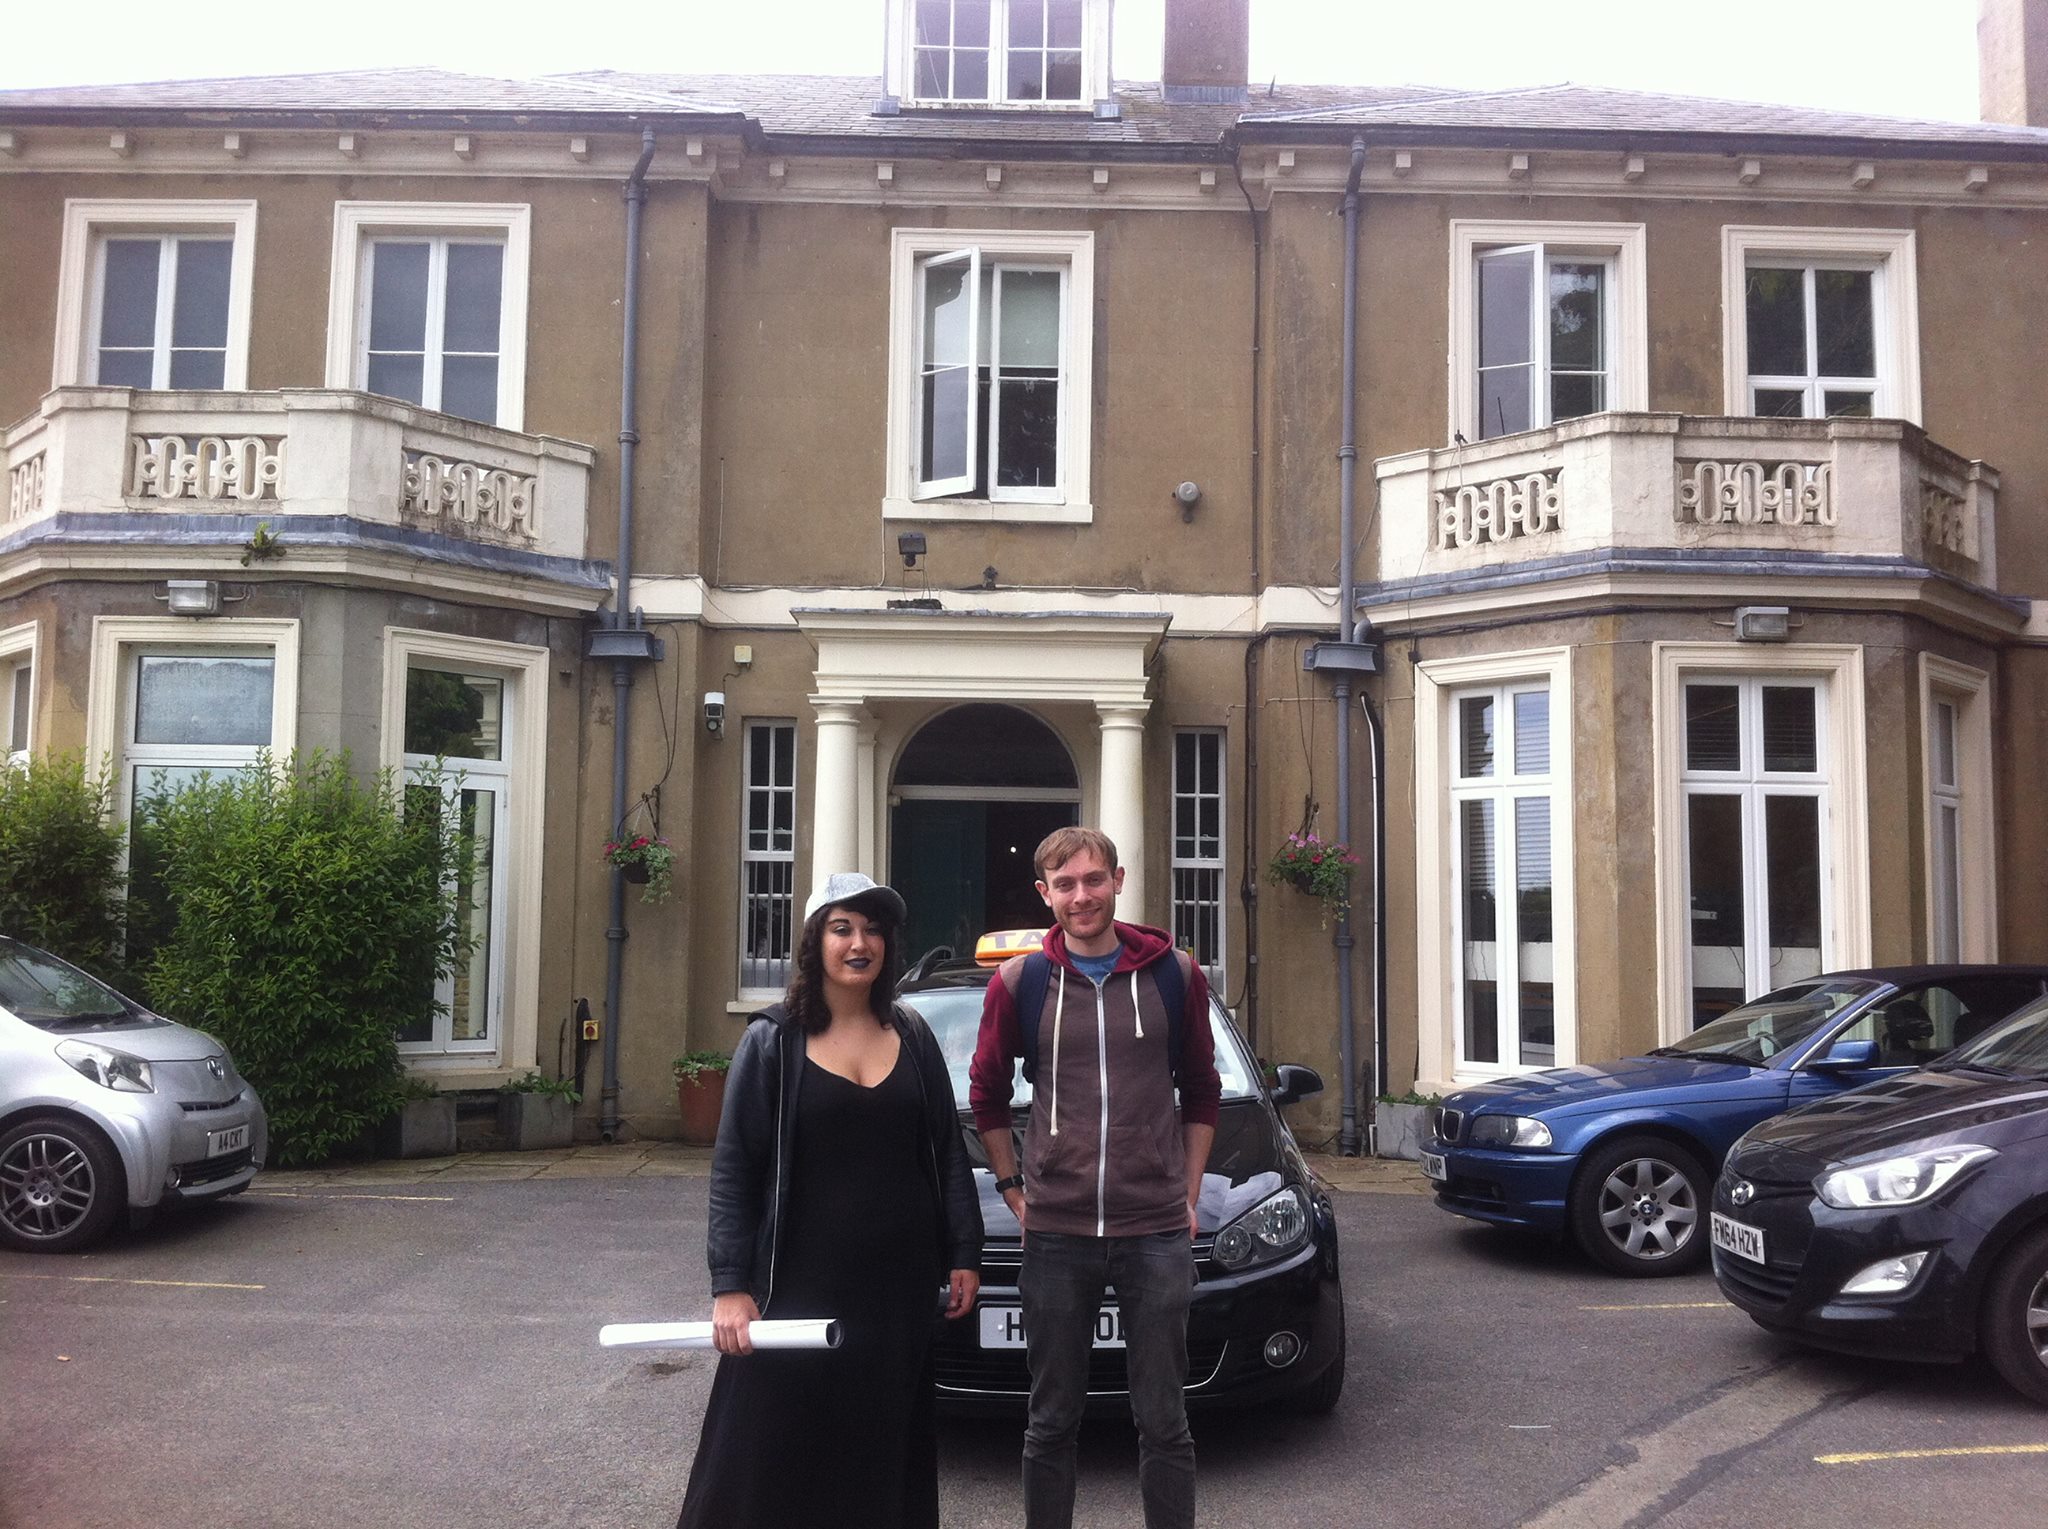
{"x": 692, "y": 1065}
{"x": 60, "y": 863}
{"x": 310, "y": 918}
{"x": 534, "y": 1083}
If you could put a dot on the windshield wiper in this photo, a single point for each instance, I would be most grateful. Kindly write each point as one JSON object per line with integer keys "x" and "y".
{"x": 1984, "y": 1067}
{"x": 1703, "y": 1056}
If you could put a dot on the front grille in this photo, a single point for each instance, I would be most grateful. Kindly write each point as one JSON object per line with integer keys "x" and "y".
{"x": 213, "y": 1169}
{"x": 1004, "y": 1371}
{"x": 1766, "y": 1284}
{"x": 201, "y": 1109}
{"x": 1449, "y": 1125}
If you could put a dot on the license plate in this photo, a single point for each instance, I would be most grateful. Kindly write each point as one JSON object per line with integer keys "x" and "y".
{"x": 1003, "y": 1327}
{"x": 233, "y": 1139}
{"x": 1734, "y": 1237}
{"x": 1434, "y": 1167}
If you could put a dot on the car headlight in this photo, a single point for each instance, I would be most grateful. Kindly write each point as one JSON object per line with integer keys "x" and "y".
{"x": 1276, "y": 1225}
{"x": 1904, "y": 1180}
{"x": 109, "y": 1068}
{"x": 1508, "y": 1131}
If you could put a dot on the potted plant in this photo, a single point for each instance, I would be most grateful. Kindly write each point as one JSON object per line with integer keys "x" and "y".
{"x": 700, "y": 1093}
{"x": 1402, "y": 1124}
{"x": 534, "y": 1111}
{"x": 648, "y": 860}
{"x": 1319, "y": 867}
{"x": 423, "y": 1124}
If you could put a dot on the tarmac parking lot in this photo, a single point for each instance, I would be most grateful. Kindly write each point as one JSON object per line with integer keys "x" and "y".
{"x": 413, "y": 1344}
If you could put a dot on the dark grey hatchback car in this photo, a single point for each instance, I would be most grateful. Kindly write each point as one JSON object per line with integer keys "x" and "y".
{"x": 1907, "y": 1219}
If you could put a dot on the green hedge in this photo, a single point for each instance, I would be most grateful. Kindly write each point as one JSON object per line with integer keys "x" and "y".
{"x": 307, "y": 920}
{"x": 60, "y": 863}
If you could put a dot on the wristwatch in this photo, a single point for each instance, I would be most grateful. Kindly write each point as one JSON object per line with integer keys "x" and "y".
{"x": 1014, "y": 1181}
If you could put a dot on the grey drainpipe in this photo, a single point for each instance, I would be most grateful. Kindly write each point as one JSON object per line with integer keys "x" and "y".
{"x": 1347, "y": 599}
{"x": 622, "y": 667}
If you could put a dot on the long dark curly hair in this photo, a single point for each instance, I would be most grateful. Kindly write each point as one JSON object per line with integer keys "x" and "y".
{"x": 805, "y": 1000}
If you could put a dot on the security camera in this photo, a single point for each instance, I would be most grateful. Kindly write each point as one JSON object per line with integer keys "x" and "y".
{"x": 714, "y": 712}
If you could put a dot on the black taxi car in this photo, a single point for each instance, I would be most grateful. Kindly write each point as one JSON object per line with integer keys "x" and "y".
{"x": 1266, "y": 1323}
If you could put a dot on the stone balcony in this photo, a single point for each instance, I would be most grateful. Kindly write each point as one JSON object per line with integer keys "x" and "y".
{"x": 1874, "y": 490}
{"x": 320, "y": 466}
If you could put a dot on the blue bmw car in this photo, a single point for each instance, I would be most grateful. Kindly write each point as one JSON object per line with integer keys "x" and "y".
{"x": 1623, "y": 1155}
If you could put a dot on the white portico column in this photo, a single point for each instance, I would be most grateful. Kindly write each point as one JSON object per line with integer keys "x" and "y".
{"x": 1121, "y": 814}
{"x": 835, "y": 812}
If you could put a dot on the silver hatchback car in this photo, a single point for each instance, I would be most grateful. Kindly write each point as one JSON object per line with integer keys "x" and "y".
{"x": 105, "y": 1106}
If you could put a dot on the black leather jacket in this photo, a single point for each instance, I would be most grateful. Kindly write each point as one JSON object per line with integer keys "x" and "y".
{"x": 750, "y": 1165}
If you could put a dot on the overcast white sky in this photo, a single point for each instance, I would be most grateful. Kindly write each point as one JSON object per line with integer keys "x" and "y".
{"x": 1914, "y": 58}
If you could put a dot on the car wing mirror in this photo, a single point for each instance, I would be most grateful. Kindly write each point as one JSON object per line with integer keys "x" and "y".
{"x": 1844, "y": 1056}
{"x": 1293, "y": 1083}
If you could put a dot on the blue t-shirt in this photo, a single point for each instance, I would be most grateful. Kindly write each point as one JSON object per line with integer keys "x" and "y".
{"x": 1097, "y": 968}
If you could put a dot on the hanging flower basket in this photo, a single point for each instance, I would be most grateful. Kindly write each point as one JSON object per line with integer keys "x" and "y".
{"x": 647, "y": 860}
{"x": 1319, "y": 867}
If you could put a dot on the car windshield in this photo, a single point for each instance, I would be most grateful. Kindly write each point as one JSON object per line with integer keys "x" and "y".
{"x": 954, "y": 1013}
{"x": 51, "y": 994}
{"x": 1776, "y": 1022}
{"x": 2018, "y": 1047}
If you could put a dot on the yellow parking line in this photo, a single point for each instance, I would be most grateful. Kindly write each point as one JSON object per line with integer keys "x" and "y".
{"x": 110, "y": 1279}
{"x": 1872, "y": 1456}
{"x": 293, "y": 1194}
{"x": 1665, "y": 1306}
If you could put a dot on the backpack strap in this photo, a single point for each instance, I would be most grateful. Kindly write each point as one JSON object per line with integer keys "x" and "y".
{"x": 1171, "y": 978}
{"x": 1033, "y": 977}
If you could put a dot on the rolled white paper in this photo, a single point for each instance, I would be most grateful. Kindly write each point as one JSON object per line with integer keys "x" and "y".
{"x": 764, "y": 1333}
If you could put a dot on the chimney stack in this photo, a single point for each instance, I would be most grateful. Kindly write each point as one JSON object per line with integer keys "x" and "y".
{"x": 2012, "y": 61}
{"x": 1209, "y": 50}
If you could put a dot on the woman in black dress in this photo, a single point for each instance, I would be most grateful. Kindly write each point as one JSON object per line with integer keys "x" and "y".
{"x": 839, "y": 1188}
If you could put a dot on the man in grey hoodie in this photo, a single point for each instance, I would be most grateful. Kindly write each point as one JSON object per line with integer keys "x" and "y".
{"x": 1112, "y": 1168}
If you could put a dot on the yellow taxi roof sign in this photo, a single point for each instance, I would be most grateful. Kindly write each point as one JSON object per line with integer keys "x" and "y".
{"x": 998, "y": 945}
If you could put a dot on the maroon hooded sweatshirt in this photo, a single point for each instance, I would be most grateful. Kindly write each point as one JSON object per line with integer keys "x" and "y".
{"x": 1103, "y": 1155}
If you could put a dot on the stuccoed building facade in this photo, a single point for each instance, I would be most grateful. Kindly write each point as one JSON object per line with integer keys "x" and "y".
{"x": 986, "y": 458}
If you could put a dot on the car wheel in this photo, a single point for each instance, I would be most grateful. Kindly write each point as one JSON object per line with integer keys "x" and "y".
{"x": 1319, "y": 1398}
{"x": 1639, "y": 1207}
{"x": 60, "y": 1186}
{"x": 2016, "y": 1317}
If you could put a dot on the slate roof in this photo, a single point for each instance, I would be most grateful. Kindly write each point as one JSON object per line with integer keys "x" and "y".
{"x": 352, "y": 92}
{"x": 1582, "y": 108}
{"x": 843, "y": 108}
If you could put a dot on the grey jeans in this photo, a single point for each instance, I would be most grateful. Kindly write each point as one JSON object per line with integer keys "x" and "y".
{"x": 1063, "y": 1285}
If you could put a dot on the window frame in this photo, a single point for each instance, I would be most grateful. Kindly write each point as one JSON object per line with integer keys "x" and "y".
{"x": 1895, "y": 305}
{"x": 1438, "y": 685}
{"x": 90, "y": 221}
{"x": 1504, "y": 791}
{"x": 901, "y": 79}
{"x": 357, "y": 224}
{"x": 911, "y": 251}
{"x": 19, "y": 654}
{"x": 1622, "y": 246}
{"x": 1753, "y": 784}
{"x": 1968, "y": 690}
{"x": 526, "y": 670}
{"x": 1217, "y": 863}
{"x": 748, "y": 856}
{"x": 496, "y": 775}
{"x": 1845, "y": 821}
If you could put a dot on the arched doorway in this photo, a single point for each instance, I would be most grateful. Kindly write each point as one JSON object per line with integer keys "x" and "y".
{"x": 975, "y": 790}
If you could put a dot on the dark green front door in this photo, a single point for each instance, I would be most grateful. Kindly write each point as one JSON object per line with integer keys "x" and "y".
{"x": 965, "y": 868}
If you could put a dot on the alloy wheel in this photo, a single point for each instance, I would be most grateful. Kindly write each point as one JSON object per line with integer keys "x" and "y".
{"x": 47, "y": 1186}
{"x": 1647, "y": 1208}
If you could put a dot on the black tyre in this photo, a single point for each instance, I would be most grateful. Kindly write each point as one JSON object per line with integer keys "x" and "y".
{"x": 1639, "y": 1207}
{"x": 1319, "y": 1398}
{"x": 60, "y": 1185}
{"x": 2015, "y": 1318}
